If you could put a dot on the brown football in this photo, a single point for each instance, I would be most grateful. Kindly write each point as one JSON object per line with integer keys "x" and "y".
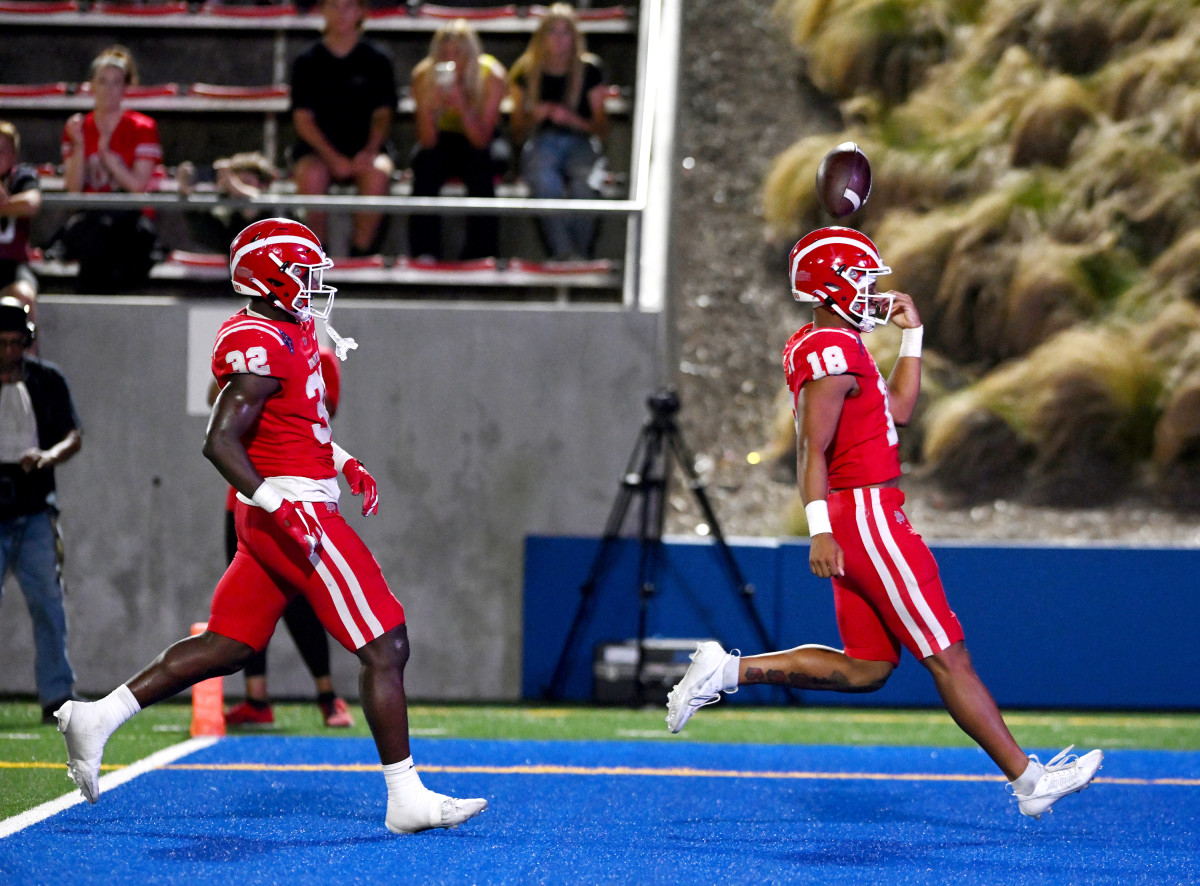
{"x": 844, "y": 180}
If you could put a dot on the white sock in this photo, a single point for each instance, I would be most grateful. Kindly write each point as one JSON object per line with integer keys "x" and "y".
{"x": 403, "y": 782}
{"x": 1028, "y": 779}
{"x": 732, "y": 666}
{"x": 115, "y": 708}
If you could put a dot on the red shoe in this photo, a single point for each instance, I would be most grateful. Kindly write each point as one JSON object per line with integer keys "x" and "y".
{"x": 337, "y": 715}
{"x": 246, "y": 714}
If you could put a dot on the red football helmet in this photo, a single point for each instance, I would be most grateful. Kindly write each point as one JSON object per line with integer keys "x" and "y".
{"x": 281, "y": 261}
{"x": 837, "y": 267}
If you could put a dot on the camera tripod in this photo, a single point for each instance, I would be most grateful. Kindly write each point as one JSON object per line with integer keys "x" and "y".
{"x": 646, "y": 475}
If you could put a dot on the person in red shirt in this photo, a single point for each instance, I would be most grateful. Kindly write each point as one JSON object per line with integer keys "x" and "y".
{"x": 110, "y": 149}
{"x": 269, "y": 437}
{"x": 886, "y": 587}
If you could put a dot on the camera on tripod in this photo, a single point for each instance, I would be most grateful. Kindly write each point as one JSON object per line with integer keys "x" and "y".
{"x": 664, "y": 402}
{"x": 646, "y": 477}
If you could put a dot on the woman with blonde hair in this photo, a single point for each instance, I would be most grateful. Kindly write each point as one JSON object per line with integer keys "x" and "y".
{"x": 457, "y": 89}
{"x": 558, "y": 91}
{"x": 111, "y": 149}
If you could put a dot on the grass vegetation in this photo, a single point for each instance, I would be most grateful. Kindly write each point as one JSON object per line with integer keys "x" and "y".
{"x": 32, "y": 769}
{"x": 1035, "y": 189}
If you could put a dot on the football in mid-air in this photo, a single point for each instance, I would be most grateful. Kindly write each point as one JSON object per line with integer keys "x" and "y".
{"x": 844, "y": 180}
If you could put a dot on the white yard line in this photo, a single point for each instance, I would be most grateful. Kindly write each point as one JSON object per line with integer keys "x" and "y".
{"x": 156, "y": 760}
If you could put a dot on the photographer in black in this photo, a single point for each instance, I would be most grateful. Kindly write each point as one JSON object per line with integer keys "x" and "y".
{"x": 39, "y": 429}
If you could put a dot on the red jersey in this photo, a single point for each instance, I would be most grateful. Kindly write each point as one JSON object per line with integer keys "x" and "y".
{"x": 292, "y": 439}
{"x": 865, "y": 448}
{"x": 135, "y": 138}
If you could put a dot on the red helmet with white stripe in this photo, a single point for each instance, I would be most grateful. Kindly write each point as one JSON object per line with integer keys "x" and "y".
{"x": 281, "y": 260}
{"x": 836, "y": 267}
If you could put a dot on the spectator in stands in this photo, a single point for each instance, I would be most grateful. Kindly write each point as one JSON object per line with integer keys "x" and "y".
{"x": 343, "y": 103}
{"x": 111, "y": 149}
{"x": 558, "y": 91}
{"x": 20, "y": 200}
{"x": 246, "y": 175}
{"x": 457, "y": 89}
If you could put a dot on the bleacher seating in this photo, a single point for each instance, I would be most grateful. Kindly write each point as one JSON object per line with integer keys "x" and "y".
{"x": 231, "y": 80}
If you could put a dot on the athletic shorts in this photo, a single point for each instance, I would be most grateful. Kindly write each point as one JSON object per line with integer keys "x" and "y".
{"x": 891, "y": 594}
{"x": 345, "y": 586}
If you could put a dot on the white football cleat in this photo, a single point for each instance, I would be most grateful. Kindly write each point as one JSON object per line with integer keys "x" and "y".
{"x": 85, "y": 746}
{"x": 702, "y": 684}
{"x": 1061, "y": 776}
{"x": 434, "y": 811}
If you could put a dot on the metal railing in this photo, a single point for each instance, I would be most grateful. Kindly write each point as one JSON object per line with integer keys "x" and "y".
{"x": 645, "y": 271}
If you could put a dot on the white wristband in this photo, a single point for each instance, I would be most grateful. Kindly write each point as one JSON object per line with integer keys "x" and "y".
{"x": 818, "y": 517}
{"x": 910, "y": 342}
{"x": 340, "y": 457}
{"x": 267, "y": 498}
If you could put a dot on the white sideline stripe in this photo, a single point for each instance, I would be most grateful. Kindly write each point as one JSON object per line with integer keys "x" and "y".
{"x": 157, "y": 760}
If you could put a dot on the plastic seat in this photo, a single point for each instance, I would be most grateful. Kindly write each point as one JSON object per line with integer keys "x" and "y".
{"x": 32, "y": 90}
{"x": 580, "y": 266}
{"x": 384, "y": 12}
{"x": 149, "y": 91}
{"x": 210, "y": 90}
{"x": 148, "y": 9}
{"x": 280, "y": 11}
{"x": 471, "y": 13}
{"x": 198, "y": 259}
{"x": 38, "y": 7}
{"x": 592, "y": 14}
{"x": 476, "y": 264}
{"x": 358, "y": 262}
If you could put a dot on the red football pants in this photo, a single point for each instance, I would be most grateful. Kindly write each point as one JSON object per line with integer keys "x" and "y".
{"x": 891, "y": 593}
{"x": 343, "y": 582}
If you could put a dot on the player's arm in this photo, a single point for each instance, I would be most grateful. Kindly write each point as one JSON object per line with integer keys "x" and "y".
{"x": 820, "y": 411}
{"x": 904, "y": 383}
{"x": 358, "y": 478}
{"x": 237, "y": 407}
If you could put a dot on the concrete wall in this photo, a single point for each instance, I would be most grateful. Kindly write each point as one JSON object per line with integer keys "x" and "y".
{"x": 482, "y": 425}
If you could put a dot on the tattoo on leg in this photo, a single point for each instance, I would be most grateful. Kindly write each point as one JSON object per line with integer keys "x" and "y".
{"x": 836, "y": 681}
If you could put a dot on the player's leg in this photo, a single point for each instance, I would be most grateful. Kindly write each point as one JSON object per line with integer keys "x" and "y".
{"x": 870, "y": 657}
{"x": 972, "y": 707}
{"x": 813, "y": 666}
{"x": 910, "y": 596}
{"x": 348, "y": 592}
{"x": 313, "y": 644}
{"x": 245, "y": 607}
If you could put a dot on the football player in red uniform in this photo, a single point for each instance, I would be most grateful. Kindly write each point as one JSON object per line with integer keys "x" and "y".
{"x": 886, "y": 587}
{"x": 269, "y": 437}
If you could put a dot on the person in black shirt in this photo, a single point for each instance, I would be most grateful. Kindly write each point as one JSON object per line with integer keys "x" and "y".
{"x": 39, "y": 429}
{"x": 558, "y": 90}
{"x": 343, "y": 102}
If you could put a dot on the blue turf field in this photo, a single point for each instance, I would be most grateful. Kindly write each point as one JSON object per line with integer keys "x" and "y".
{"x": 271, "y": 809}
